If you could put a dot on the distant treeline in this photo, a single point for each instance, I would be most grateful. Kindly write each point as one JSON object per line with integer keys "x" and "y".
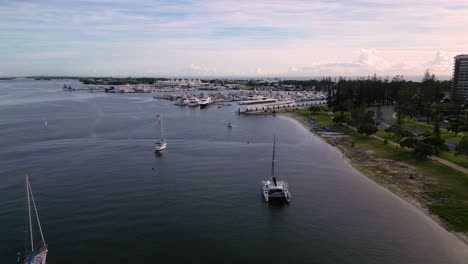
{"x": 54, "y": 78}
{"x": 346, "y": 94}
{"x": 120, "y": 81}
{"x": 427, "y": 100}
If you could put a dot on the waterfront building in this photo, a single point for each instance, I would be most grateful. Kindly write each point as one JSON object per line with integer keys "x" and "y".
{"x": 460, "y": 76}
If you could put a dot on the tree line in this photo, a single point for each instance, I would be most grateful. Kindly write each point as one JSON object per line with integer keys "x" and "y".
{"x": 358, "y": 102}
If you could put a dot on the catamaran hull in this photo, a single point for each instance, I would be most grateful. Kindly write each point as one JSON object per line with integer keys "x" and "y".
{"x": 269, "y": 198}
{"x": 159, "y": 149}
{"x": 285, "y": 195}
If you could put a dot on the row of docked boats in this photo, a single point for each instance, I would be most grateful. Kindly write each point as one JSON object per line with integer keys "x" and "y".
{"x": 195, "y": 102}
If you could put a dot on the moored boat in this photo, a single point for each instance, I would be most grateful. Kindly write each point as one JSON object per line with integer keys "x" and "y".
{"x": 275, "y": 190}
{"x": 161, "y": 144}
{"x": 194, "y": 102}
{"x": 204, "y": 102}
{"x": 37, "y": 253}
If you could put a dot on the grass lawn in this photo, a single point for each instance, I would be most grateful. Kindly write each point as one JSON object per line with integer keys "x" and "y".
{"x": 387, "y": 135}
{"x": 447, "y": 187}
{"x": 457, "y": 159}
{"x": 450, "y": 156}
{"x": 444, "y": 133}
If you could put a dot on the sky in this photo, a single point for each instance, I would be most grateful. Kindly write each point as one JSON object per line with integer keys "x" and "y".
{"x": 238, "y": 38}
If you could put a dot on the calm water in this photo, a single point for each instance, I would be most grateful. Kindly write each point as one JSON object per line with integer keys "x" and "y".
{"x": 101, "y": 201}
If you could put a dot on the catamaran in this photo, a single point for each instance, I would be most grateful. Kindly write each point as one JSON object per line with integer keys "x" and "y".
{"x": 37, "y": 254}
{"x": 161, "y": 144}
{"x": 275, "y": 189}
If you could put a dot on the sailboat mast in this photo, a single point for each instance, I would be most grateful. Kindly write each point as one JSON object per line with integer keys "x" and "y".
{"x": 273, "y": 159}
{"x": 29, "y": 213}
{"x": 162, "y": 129}
{"x": 37, "y": 215}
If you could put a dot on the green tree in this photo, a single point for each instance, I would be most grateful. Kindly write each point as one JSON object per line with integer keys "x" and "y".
{"x": 409, "y": 143}
{"x": 341, "y": 118}
{"x": 367, "y": 129}
{"x": 462, "y": 147}
{"x": 423, "y": 150}
{"x": 378, "y": 115}
{"x": 406, "y": 98}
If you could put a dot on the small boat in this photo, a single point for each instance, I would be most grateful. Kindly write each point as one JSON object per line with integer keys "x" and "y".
{"x": 193, "y": 102}
{"x": 183, "y": 102}
{"x": 275, "y": 190}
{"x": 161, "y": 144}
{"x": 229, "y": 124}
{"x": 204, "y": 102}
{"x": 37, "y": 254}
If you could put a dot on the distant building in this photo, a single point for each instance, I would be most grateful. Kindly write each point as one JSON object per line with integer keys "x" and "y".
{"x": 460, "y": 76}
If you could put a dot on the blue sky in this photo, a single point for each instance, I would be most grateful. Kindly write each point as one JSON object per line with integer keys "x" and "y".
{"x": 231, "y": 38}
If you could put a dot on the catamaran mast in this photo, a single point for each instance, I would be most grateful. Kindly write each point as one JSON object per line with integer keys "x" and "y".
{"x": 161, "y": 122}
{"x": 273, "y": 160}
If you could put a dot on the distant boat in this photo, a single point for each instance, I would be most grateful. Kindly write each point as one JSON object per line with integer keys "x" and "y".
{"x": 275, "y": 189}
{"x": 45, "y": 122}
{"x": 37, "y": 254}
{"x": 229, "y": 124}
{"x": 182, "y": 102}
{"x": 161, "y": 144}
{"x": 194, "y": 102}
{"x": 204, "y": 102}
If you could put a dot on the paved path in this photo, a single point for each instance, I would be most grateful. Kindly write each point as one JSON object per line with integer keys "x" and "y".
{"x": 388, "y": 120}
{"x": 434, "y": 158}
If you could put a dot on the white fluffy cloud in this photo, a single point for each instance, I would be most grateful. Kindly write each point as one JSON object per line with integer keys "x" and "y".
{"x": 371, "y": 58}
{"x": 441, "y": 62}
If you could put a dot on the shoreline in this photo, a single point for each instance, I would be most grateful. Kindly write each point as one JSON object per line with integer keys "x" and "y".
{"x": 383, "y": 183}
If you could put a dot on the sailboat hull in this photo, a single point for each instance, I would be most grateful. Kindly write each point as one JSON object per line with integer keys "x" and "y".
{"x": 160, "y": 147}
{"x": 39, "y": 258}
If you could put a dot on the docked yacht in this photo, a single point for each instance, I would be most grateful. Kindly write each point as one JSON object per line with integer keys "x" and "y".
{"x": 37, "y": 254}
{"x": 161, "y": 144}
{"x": 183, "y": 102}
{"x": 204, "y": 102}
{"x": 275, "y": 190}
{"x": 194, "y": 102}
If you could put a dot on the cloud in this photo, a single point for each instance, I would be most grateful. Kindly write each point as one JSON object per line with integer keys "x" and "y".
{"x": 371, "y": 58}
{"x": 195, "y": 70}
{"x": 232, "y": 37}
{"x": 441, "y": 62}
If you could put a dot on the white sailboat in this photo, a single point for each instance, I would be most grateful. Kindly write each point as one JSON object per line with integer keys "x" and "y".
{"x": 37, "y": 254}
{"x": 275, "y": 189}
{"x": 161, "y": 144}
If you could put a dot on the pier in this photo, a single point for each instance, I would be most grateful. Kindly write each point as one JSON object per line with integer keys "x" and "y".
{"x": 266, "y": 108}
